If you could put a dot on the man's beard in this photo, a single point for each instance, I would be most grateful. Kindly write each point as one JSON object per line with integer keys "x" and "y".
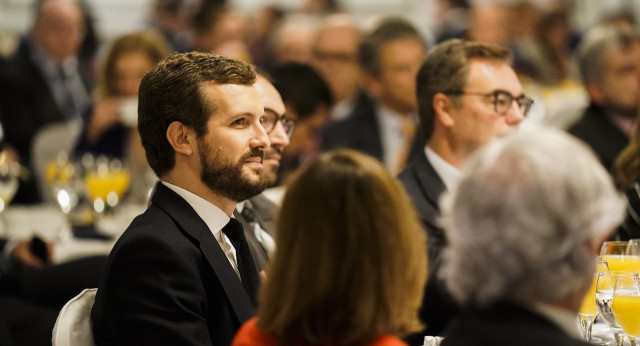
{"x": 272, "y": 170}
{"x": 228, "y": 179}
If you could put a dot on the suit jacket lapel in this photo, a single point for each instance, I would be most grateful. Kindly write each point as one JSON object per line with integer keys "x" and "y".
{"x": 427, "y": 180}
{"x": 265, "y": 212}
{"x": 196, "y": 229}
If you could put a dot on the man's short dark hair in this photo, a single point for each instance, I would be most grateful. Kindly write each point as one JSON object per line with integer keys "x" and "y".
{"x": 301, "y": 87}
{"x": 172, "y": 91}
{"x": 388, "y": 30}
{"x": 447, "y": 68}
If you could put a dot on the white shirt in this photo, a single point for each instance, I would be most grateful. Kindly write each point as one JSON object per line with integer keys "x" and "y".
{"x": 391, "y": 135}
{"x": 213, "y": 217}
{"x": 449, "y": 174}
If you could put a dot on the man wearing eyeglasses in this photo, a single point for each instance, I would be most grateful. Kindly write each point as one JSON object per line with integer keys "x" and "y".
{"x": 257, "y": 214}
{"x": 468, "y": 94}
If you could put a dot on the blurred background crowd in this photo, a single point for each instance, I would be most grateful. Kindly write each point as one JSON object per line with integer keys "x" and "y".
{"x": 346, "y": 71}
{"x": 315, "y": 47}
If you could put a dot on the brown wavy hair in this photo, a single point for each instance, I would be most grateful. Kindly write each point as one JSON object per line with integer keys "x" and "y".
{"x": 351, "y": 261}
{"x": 627, "y": 165}
{"x": 152, "y": 44}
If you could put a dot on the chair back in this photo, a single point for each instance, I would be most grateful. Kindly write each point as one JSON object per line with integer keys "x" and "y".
{"x": 47, "y": 143}
{"x": 73, "y": 326}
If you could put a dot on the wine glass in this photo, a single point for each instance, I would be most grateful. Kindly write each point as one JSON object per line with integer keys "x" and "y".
{"x": 621, "y": 255}
{"x": 604, "y": 298}
{"x": 633, "y": 247}
{"x": 588, "y": 309}
{"x": 106, "y": 183}
{"x": 626, "y": 305}
{"x": 60, "y": 174}
{"x": 8, "y": 182}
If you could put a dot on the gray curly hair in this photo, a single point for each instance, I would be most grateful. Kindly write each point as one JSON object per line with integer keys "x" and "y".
{"x": 520, "y": 221}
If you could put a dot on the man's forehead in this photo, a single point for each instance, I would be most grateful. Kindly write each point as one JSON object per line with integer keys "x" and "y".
{"x": 493, "y": 75}
{"x": 269, "y": 95}
{"x": 233, "y": 96}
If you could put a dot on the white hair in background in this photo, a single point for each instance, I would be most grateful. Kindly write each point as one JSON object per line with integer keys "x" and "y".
{"x": 520, "y": 221}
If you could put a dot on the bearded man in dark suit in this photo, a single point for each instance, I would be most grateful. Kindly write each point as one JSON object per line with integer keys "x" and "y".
{"x": 181, "y": 274}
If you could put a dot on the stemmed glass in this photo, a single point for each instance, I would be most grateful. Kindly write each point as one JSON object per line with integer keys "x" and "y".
{"x": 8, "y": 182}
{"x": 588, "y": 309}
{"x": 604, "y": 297}
{"x": 621, "y": 255}
{"x": 60, "y": 175}
{"x": 106, "y": 183}
{"x": 626, "y": 305}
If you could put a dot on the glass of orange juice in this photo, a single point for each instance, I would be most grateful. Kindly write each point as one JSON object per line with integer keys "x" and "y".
{"x": 588, "y": 309}
{"x": 604, "y": 300}
{"x": 106, "y": 183}
{"x": 621, "y": 255}
{"x": 626, "y": 305}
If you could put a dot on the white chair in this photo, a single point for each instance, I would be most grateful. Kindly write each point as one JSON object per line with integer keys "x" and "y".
{"x": 47, "y": 144}
{"x": 73, "y": 326}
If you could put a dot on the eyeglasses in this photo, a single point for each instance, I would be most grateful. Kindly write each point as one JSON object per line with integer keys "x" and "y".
{"x": 272, "y": 118}
{"x": 501, "y": 100}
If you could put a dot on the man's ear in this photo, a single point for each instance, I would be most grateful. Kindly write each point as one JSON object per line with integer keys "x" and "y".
{"x": 443, "y": 107}
{"x": 595, "y": 92}
{"x": 181, "y": 138}
{"x": 371, "y": 84}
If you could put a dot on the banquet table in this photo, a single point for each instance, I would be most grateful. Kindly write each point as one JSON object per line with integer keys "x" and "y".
{"x": 47, "y": 221}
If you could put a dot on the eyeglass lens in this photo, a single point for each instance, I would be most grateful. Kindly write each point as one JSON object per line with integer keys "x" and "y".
{"x": 503, "y": 102}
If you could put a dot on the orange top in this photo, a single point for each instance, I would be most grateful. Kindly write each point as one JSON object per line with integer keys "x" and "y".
{"x": 250, "y": 335}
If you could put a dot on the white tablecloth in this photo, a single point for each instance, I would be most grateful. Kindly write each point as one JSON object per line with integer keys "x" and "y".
{"x": 49, "y": 223}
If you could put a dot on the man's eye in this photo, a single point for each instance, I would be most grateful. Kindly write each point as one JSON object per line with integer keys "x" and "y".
{"x": 239, "y": 122}
{"x": 502, "y": 101}
{"x": 263, "y": 119}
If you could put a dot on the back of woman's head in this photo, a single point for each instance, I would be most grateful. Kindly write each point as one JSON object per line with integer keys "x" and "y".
{"x": 350, "y": 262}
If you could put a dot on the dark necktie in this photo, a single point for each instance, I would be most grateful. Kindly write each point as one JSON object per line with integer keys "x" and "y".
{"x": 68, "y": 104}
{"x": 248, "y": 272}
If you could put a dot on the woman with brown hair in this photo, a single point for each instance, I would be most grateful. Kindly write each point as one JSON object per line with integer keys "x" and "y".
{"x": 627, "y": 176}
{"x": 350, "y": 263}
{"x": 110, "y": 125}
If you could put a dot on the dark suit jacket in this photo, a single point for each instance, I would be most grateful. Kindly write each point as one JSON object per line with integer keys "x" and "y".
{"x": 424, "y": 187}
{"x": 168, "y": 282}
{"x": 506, "y": 324}
{"x": 265, "y": 211}
{"x": 604, "y": 138}
{"x": 26, "y": 105}
{"x": 361, "y": 131}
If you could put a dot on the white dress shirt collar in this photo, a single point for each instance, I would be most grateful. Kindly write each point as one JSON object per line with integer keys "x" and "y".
{"x": 213, "y": 217}
{"x": 392, "y": 136}
{"x": 449, "y": 174}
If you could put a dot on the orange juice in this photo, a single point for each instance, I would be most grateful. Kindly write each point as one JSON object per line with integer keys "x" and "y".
{"x": 588, "y": 306}
{"x": 99, "y": 185}
{"x": 626, "y": 309}
{"x": 623, "y": 263}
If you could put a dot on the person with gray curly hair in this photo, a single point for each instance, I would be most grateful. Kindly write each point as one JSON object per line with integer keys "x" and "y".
{"x": 523, "y": 226}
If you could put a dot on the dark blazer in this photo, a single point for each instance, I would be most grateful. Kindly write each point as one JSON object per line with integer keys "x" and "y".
{"x": 424, "y": 187}
{"x": 361, "y": 131}
{"x": 265, "y": 211}
{"x": 506, "y": 324}
{"x": 26, "y": 105}
{"x": 168, "y": 282}
{"x": 604, "y": 138}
